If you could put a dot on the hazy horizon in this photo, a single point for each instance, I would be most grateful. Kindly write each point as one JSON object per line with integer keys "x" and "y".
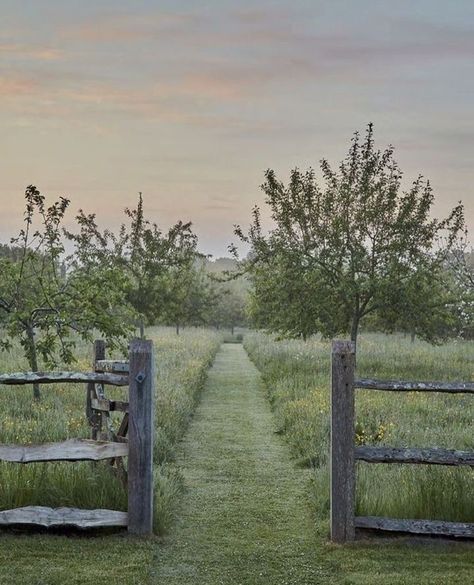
{"x": 191, "y": 102}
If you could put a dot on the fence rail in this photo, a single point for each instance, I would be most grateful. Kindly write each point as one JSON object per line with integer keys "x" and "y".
{"x": 344, "y": 454}
{"x": 435, "y": 456}
{"x": 430, "y": 527}
{"x": 72, "y": 450}
{"x": 22, "y": 378}
{"x": 137, "y": 423}
{"x": 401, "y": 386}
{"x": 48, "y": 517}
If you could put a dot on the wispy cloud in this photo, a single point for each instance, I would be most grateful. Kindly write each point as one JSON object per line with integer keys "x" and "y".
{"x": 15, "y": 86}
{"x": 129, "y": 27}
{"x": 30, "y": 52}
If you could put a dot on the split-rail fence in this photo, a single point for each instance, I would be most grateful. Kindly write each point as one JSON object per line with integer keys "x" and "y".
{"x": 133, "y": 440}
{"x": 344, "y": 453}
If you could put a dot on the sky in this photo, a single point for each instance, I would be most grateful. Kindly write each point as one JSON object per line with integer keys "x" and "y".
{"x": 189, "y": 102}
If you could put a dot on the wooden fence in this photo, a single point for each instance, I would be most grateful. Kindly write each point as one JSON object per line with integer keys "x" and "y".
{"x": 344, "y": 454}
{"x": 138, "y": 423}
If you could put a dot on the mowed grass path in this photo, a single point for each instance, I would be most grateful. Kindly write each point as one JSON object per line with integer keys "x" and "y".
{"x": 245, "y": 518}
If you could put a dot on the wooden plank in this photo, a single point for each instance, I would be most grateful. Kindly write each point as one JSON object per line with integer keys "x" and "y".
{"x": 112, "y": 366}
{"x": 106, "y": 405}
{"x": 342, "y": 442}
{"x": 43, "y": 516}
{"x": 403, "y": 386}
{"x": 95, "y": 418}
{"x": 63, "y": 377}
{"x": 432, "y": 527}
{"x": 433, "y": 456}
{"x": 72, "y": 450}
{"x": 140, "y": 437}
{"x": 123, "y": 428}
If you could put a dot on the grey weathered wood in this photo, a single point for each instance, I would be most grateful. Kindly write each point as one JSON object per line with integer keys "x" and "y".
{"x": 342, "y": 442}
{"x": 140, "y": 437}
{"x": 434, "y": 527}
{"x": 94, "y": 418}
{"x": 72, "y": 450}
{"x": 112, "y": 366}
{"x": 106, "y": 405}
{"x": 63, "y": 377}
{"x": 433, "y": 456}
{"x": 123, "y": 428}
{"x": 43, "y": 516}
{"x": 404, "y": 386}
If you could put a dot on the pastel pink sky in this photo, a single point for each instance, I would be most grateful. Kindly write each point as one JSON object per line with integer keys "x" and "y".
{"x": 189, "y": 102}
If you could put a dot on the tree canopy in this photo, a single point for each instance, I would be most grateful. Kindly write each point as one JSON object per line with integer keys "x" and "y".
{"x": 353, "y": 245}
{"x": 46, "y": 296}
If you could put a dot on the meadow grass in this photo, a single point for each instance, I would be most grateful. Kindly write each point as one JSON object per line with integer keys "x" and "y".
{"x": 296, "y": 376}
{"x": 181, "y": 366}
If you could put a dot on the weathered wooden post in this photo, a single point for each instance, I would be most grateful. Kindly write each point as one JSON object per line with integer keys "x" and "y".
{"x": 342, "y": 442}
{"x": 94, "y": 417}
{"x": 140, "y": 437}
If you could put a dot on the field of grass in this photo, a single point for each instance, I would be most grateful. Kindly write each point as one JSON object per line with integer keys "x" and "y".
{"x": 296, "y": 376}
{"x": 182, "y": 363}
{"x": 296, "y": 380}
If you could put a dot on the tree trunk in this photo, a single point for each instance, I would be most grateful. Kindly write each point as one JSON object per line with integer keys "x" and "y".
{"x": 355, "y": 331}
{"x": 177, "y": 328}
{"x": 232, "y": 330}
{"x": 33, "y": 359}
{"x": 413, "y": 336}
{"x": 142, "y": 329}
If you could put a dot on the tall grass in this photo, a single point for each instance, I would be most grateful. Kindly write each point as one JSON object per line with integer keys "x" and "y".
{"x": 296, "y": 375}
{"x": 181, "y": 366}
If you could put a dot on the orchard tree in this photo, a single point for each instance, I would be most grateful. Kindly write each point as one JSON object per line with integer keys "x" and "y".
{"x": 460, "y": 265}
{"x": 140, "y": 255}
{"x": 349, "y": 247}
{"x": 228, "y": 310}
{"x": 148, "y": 256}
{"x": 42, "y": 301}
{"x": 190, "y": 295}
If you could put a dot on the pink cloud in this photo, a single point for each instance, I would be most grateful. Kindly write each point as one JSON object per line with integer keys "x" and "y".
{"x": 128, "y": 27}
{"x": 34, "y": 52}
{"x": 13, "y": 86}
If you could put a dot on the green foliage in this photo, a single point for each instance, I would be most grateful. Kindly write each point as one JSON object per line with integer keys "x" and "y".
{"x": 44, "y": 296}
{"x": 230, "y": 305}
{"x": 188, "y": 295}
{"x": 140, "y": 258}
{"x": 354, "y": 247}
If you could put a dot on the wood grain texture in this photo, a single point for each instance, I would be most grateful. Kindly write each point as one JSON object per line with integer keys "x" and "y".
{"x": 342, "y": 441}
{"x": 19, "y": 378}
{"x": 72, "y": 450}
{"x": 140, "y": 437}
{"x": 106, "y": 405}
{"x": 404, "y": 386}
{"x": 433, "y": 456}
{"x": 94, "y": 417}
{"x": 43, "y": 516}
{"x": 112, "y": 366}
{"x": 433, "y": 527}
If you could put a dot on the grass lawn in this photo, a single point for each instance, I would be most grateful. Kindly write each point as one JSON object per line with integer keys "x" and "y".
{"x": 50, "y": 559}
